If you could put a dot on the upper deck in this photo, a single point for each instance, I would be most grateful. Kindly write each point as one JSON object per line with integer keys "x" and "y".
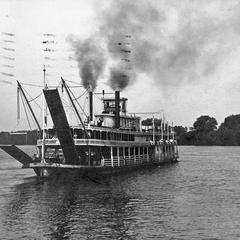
{"x": 114, "y": 126}
{"x": 105, "y": 136}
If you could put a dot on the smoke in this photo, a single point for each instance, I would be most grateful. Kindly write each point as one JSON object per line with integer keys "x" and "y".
{"x": 118, "y": 79}
{"x": 91, "y": 60}
{"x": 172, "y": 42}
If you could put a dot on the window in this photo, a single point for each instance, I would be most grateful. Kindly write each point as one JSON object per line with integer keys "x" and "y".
{"x": 106, "y": 152}
{"x": 126, "y": 151}
{"x": 136, "y": 150}
{"x": 125, "y": 137}
{"x": 80, "y": 133}
{"x": 120, "y": 151}
{"x": 97, "y": 134}
{"x": 114, "y": 151}
{"x": 104, "y": 135}
{"x": 131, "y": 137}
{"x": 141, "y": 150}
{"x": 131, "y": 151}
{"x": 145, "y": 150}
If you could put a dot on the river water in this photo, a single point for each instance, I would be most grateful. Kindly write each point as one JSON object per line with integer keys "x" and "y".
{"x": 197, "y": 198}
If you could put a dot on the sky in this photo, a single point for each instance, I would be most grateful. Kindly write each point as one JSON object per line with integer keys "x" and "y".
{"x": 183, "y": 59}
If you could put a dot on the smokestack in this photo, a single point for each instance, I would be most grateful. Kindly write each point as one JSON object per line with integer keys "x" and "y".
{"x": 117, "y": 109}
{"x": 90, "y": 105}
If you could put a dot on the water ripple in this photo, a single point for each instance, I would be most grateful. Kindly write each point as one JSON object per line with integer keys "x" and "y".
{"x": 195, "y": 199}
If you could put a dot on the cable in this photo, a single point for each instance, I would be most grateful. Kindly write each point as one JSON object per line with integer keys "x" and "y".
{"x": 97, "y": 96}
{"x": 80, "y": 95}
{"x": 32, "y": 98}
{"x": 26, "y": 112}
{"x": 33, "y": 85}
{"x": 73, "y": 82}
{"x": 78, "y": 103}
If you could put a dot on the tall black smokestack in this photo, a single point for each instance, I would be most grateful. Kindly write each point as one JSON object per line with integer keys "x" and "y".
{"x": 90, "y": 105}
{"x": 117, "y": 109}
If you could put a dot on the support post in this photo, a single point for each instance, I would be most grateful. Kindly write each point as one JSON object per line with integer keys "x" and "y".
{"x": 147, "y": 155}
{"x": 118, "y": 156}
{"x": 44, "y": 116}
{"x": 129, "y": 155}
{"x": 124, "y": 160}
{"x": 112, "y": 156}
{"x": 139, "y": 156}
{"x": 134, "y": 155}
{"x": 90, "y": 104}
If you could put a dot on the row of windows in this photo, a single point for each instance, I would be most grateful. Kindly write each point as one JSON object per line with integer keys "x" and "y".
{"x": 79, "y": 133}
{"x": 129, "y": 123}
{"x": 104, "y": 135}
{"x": 126, "y": 151}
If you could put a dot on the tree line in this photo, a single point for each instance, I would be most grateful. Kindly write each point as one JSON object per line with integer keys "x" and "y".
{"x": 205, "y": 131}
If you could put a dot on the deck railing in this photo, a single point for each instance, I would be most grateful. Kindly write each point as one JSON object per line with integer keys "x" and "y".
{"x": 127, "y": 160}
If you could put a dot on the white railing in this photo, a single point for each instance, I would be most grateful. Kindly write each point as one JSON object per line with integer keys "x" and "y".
{"x": 107, "y": 162}
{"x": 115, "y": 161}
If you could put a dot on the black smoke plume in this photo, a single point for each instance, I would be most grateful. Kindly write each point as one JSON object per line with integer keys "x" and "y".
{"x": 172, "y": 42}
{"x": 118, "y": 79}
{"x": 91, "y": 60}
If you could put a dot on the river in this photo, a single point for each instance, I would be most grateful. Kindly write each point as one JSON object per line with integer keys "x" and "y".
{"x": 197, "y": 198}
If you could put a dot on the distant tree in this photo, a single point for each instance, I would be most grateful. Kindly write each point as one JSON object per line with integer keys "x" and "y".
{"x": 229, "y": 130}
{"x": 204, "y": 128}
{"x": 179, "y": 130}
{"x": 232, "y": 122}
{"x": 205, "y": 124}
{"x": 149, "y": 122}
{"x": 188, "y": 138}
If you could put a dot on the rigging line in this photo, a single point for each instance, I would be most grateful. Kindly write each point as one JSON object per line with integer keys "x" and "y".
{"x": 33, "y": 120}
{"x": 84, "y": 104}
{"x": 78, "y": 103}
{"x": 59, "y": 84}
{"x": 68, "y": 86}
{"x": 73, "y": 82}
{"x": 35, "y": 125}
{"x": 74, "y": 86}
{"x": 80, "y": 95}
{"x": 66, "y": 103}
{"x": 35, "y": 85}
{"x": 75, "y": 114}
{"x": 69, "y": 106}
{"x": 29, "y": 84}
{"x": 32, "y": 98}
{"x": 26, "y": 112}
{"x": 97, "y": 96}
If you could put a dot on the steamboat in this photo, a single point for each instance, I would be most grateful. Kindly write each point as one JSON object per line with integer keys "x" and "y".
{"x": 109, "y": 142}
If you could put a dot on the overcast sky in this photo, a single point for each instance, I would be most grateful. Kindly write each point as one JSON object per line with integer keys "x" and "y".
{"x": 185, "y": 55}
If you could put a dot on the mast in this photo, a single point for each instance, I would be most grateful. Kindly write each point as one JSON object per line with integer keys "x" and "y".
{"x": 173, "y": 137}
{"x": 162, "y": 129}
{"x": 153, "y": 125}
{"x": 75, "y": 109}
{"x": 43, "y": 116}
{"x": 117, "y": 109}
{"x": 28, "y": 104}
{"x": 90, "y": 93}
{"x": 167, "y": 131}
